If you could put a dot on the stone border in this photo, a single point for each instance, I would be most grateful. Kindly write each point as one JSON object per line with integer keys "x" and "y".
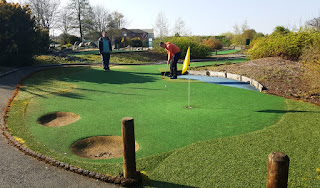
{"x": 241, "y": 78}
{"x": 119, "y": 180}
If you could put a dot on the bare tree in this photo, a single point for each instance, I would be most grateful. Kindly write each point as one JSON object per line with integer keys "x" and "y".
{"x": 45, "y": 11}
{"x": 116, "y": 20}
{"x": 100, "y": 18}
{"x": 81, "y": 13}
{"x": 161, "y": 25}
{"x": 315, "y": 23}
{"x": 65, "y": 21}
{"x": 238, "y": 38}
{"x": 180, "y": 28}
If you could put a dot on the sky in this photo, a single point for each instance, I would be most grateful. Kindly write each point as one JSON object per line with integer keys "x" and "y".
{"x": 212, "y": 17}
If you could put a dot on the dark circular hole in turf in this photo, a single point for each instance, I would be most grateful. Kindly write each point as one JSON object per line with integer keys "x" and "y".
{"x": 99, "y": 147}
{"x": 58, "y": 119}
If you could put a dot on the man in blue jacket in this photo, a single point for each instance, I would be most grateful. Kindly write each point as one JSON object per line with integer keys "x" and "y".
{"x": 105, "y": 50}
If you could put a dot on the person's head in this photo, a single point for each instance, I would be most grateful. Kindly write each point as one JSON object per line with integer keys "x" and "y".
{"x": 104, "y": 34}
{"x": 162, "y": 44}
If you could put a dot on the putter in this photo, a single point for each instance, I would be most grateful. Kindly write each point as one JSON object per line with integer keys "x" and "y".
{"x": 165, "y": 71}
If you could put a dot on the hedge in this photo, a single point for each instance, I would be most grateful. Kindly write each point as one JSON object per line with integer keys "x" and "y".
{"x": 197, "y": 49}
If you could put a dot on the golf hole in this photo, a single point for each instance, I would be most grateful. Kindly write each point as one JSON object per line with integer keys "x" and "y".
{"x": 58, "y": 119}
{"x": 100, "y": 147}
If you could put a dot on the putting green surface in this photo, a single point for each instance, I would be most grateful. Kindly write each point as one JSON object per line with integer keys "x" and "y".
{"x": 158, "y": 106}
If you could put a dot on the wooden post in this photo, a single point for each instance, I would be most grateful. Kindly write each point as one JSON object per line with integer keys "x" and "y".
{"x": 278, "y": 170}
{"x": 129, "y": 155}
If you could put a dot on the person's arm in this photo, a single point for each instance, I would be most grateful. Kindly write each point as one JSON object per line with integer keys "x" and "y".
{"x": 110, "y": 46}
{"x": 100, "y": 44}
{"x": 170, "y": 54}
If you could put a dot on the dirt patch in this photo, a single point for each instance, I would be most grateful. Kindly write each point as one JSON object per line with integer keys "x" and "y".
{"x": 100, "y": 147}
{"x": 58, "y": 119}
{"x": 290, "y": 79}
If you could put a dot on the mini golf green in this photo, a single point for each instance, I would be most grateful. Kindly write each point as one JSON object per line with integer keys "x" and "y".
{"x": 158, "y": 106}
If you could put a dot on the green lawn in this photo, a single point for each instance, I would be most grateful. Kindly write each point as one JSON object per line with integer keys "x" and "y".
{"x": 224, "y": 140}
{"x": 224, "y": 52}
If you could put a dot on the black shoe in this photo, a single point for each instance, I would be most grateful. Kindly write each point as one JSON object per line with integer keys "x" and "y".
{"x": 173, "y": 77}
{"x": 169, "y": 75}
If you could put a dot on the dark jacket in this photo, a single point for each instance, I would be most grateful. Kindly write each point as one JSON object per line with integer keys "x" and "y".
{"x": 100, "y": 41}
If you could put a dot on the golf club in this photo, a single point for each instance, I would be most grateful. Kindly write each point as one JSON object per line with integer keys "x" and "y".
{"x": 165, "y": 71}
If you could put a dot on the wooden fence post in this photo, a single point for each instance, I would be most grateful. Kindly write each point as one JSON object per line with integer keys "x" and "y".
{"x": 278, "y": 170}
{"x": 129, "y": 155}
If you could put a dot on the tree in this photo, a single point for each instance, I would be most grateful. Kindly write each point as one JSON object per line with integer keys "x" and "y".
{"x": 20, "y": 37}
{"x": 213, "y": 44}
{"x": 81, "y": 13}
{"x": 99, "y": 23}
{"x": 115, "y": 21}
{"x": 100, "y": 18}
{"x": 280, "y": 30}
{"x": 238, "y": 38}
{"x": 180, "y": 28}
{"x": 315, "y": 23}
{"x": 161, "y": 25}
{"x": 65, "y": 23}
{"x": 45, "y": 11}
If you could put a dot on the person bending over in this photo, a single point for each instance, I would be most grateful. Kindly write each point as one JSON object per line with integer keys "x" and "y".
{"x": 173, "y": 57}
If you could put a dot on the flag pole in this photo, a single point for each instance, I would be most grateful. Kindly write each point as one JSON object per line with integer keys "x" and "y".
{"x": 189, "y": 88}
{"x": 185, "y": 67}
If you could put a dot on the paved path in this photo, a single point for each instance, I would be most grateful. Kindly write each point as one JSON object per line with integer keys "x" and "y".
{"x": 18, "y": 170}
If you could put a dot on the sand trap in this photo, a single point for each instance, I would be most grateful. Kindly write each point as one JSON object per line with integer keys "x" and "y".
{"x": 99, "y": 147}
{"x": 58, "y": 119}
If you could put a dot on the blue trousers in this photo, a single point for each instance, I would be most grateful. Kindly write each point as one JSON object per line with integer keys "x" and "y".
{"x": 105, "y": 60}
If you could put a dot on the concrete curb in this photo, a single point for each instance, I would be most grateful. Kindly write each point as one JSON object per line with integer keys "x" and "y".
{"x": 241, "y": 78}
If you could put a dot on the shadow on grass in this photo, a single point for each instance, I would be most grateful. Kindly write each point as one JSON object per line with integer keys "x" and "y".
{"x": 286, "y": 111}
{"x": 110, "y": 77}
{"x": 161, "y": 184}
{"x": 82, "y": 75}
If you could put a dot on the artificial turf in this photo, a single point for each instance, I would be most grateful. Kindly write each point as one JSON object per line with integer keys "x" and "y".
{"x": 179, "y": 146}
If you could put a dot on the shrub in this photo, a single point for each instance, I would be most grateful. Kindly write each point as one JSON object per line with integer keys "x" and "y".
{"x": 197, "y": 49}
{"x": 311, "y": 53}
{"x": 20, "y": 38}
{"x": 68, "y": 39}
{"x": 136, "y": 42}
{"x": 213, "y": 44}
{"x": 289, "y": 46}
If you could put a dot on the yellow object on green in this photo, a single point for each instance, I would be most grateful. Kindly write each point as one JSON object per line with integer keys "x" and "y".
{"x": 186, "y": 62}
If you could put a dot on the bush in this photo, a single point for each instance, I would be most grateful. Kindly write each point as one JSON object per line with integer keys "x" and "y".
{"x": 311, "y": 53}
{"x": 289, "y": 46}
{"x": 213, "y": 44}
{"x": 136, "y": 42}
{"x": 197, "y": 49}
{"x": 20, "y": 38}
{"x": 65, "y": 38}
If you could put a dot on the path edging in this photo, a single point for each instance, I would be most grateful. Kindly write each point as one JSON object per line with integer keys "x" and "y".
{"x": 241, "y": 78}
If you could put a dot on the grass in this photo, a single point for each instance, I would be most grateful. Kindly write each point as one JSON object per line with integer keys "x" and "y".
{"x": 227, "y": 148}
{"x": 224, "y": 52}
{"x": 117, "y": 57}
{"x": 241, "y": 161}
{"x": 131, "y": 91}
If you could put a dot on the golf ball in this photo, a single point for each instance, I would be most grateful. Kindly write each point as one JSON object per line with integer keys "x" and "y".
{"x": 165, "y": 86}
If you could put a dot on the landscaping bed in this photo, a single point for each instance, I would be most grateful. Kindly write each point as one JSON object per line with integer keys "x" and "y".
{"x": 285, "y": 78}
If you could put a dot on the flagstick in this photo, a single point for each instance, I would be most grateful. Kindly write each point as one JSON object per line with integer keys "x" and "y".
{"x": 189, "y": 89}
